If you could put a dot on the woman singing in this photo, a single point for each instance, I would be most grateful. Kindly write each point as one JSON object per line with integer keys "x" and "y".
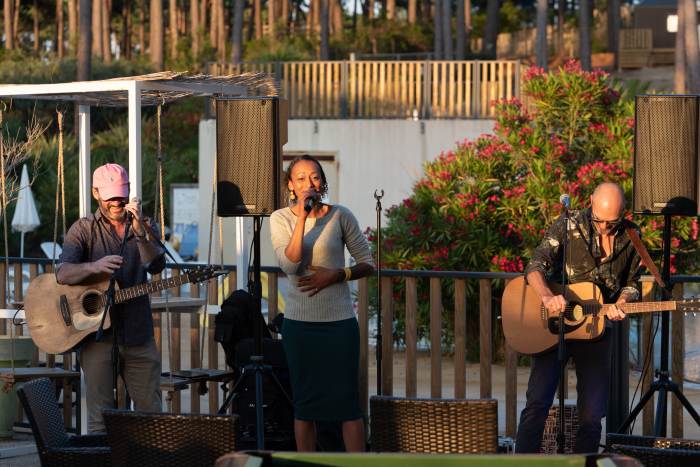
{"x": 320, "y": 333}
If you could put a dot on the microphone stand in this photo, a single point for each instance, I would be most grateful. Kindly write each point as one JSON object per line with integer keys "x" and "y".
{"x": 562, "y": 348}
{"x": 379, "y": 291}
{"x": 109, "y": 306}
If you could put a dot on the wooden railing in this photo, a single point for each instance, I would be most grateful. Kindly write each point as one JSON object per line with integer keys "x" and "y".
{"x": 387, "y": 89}
{"x": 437, "y": 280}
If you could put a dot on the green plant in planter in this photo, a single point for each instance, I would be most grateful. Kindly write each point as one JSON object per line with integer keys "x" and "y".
{"x": 485, "y": 205}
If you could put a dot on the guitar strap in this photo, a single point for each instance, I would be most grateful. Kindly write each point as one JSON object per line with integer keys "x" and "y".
{"x": 639, "y": 246}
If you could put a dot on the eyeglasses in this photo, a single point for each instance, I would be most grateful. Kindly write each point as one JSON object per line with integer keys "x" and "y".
{"x": 614, "y": 223}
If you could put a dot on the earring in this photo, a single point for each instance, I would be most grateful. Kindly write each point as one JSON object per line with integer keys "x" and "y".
{"x": 292, "y": 196}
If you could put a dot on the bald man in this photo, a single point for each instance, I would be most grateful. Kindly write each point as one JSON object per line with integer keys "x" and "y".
{"x": 598, "y": 251}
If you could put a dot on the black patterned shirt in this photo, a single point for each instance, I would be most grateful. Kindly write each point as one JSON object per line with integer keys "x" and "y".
{"x": 616, "y": 275}
{"x": 90, "y": 239}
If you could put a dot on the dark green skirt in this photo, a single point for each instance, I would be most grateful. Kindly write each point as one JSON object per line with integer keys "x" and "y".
{"x": 324, "y": 361}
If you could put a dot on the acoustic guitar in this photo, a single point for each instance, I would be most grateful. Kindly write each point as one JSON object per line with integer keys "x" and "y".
{"x": 61, "y": 317}
{"x": 531, "y": 329}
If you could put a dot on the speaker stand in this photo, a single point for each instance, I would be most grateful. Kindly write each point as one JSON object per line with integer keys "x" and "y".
{"x": 664, "y": 385}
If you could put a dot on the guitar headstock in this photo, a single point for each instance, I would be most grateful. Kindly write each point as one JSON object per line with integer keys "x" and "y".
{"x": 204, "y": 274}
{"x": 689, "y": 304}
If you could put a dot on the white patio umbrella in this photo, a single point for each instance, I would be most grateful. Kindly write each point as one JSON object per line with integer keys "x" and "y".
{"x": 26, "y": 217}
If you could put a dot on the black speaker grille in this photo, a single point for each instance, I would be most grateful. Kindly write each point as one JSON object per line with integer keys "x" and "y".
{"x": 666, "y": 155}
{"x": 249, "y": 162}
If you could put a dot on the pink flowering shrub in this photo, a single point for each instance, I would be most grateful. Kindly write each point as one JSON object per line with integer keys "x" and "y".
{"x": 485, "y": 205}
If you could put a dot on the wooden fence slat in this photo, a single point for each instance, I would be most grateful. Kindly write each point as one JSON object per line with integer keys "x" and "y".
{"x": 435, "y": 78}
{"x": 411, "y": 337}
{"x": 460, "y": 338}
{"x": 647, "y": 334}
{"x": 677, "y": 356}
{"x": 322, "y": 89}
{"x": 451, "y": 82}
{"x": 411, "y": 97}
{"x": 419, "y": 104}
{"x": 485, "y": 337}
{"x": 435, "y": 338}
{"x": 363, "y": 321}
{"x": 387, "y": 336}
{"x": 443, "y": 67}
{"x": 460, "y": 89}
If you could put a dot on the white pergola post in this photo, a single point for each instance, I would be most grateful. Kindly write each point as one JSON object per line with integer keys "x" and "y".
{"x": 135, "y": 139}
{"x": 85, "y": 170}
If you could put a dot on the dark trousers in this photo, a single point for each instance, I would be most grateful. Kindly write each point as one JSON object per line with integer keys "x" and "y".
{"x": 592, "y": 361}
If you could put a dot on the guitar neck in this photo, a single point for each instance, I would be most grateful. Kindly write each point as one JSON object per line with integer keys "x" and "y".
{"x": 642, "y": 307}
{"x": 151, "y": 287}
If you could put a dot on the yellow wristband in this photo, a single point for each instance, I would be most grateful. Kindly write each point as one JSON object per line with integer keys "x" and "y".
{"x": 348, "y": 274}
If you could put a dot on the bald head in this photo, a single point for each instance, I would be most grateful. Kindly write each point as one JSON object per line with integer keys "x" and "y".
{"x": 608, "y": 202}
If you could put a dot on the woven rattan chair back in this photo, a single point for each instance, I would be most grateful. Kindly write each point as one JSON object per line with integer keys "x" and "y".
{"x": 657, "y": 457}
{"x": 39, "y": 402}
{"x": 170, "y": 440}
{"x": 455, "y": 426}
{"x": 651, "y": 442}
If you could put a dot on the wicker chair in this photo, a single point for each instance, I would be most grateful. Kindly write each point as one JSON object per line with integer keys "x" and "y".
{"x": 434, "y": 425}
{"x": 169, "y": 440}
{"x": 55, "y": 447}
{"x": 655, "y": 452}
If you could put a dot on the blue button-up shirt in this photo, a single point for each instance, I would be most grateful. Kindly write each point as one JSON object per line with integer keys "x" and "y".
{"x": 91, "y": 239}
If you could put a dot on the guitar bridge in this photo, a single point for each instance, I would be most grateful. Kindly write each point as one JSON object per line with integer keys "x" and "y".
{"x": 65, "y": 312}
{"x": 543, "y": 312}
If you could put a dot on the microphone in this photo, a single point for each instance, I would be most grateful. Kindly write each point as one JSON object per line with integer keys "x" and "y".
{"x": 309, "y": 203}
{"x": 129, "y": 214}
{"x": 565, "y": 200}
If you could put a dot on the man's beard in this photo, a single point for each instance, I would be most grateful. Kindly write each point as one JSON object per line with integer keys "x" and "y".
{"x": 107, "y": 214}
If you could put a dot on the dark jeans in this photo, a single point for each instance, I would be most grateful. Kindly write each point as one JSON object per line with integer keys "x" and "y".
{"x": 592, "y": 361}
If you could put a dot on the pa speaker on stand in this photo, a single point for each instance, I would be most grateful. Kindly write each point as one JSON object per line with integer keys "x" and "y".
{"x": 250, "y": 133}
{"x": 666, "y": 161}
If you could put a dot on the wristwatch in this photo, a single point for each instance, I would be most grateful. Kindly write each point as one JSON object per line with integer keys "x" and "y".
{"x": 141, "y": 238}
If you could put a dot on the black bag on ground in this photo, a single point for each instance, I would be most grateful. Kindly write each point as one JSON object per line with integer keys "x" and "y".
{"x": 236, "y": 322}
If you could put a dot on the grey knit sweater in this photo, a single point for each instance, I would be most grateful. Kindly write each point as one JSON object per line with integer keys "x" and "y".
{"x": 324, "y": 242}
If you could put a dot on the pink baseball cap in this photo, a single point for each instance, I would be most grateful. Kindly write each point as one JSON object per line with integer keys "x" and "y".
{"x": 112, "y": 181}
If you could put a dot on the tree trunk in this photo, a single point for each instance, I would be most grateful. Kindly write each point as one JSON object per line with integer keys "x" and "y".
{"x": 561, "y": 10}
{"x": 157, "y": 35}
{"x": 310, "y": 28}
{"x": 237, "y": 33}
{"x": 271, "y": 18}
{"x": 692, "y": 54}
{"x": 194, "y": 21}
{"x": 107, "y": 30}
{"x": 468, "y": 24}
{"x": 214, "y": 31}
{"x": 459, "y": 47}
{"x": 491, "y": 33}
{"x": 97, "y": 48}
{"x": 9, "y": 33}
{"x": 325, "y": 49}
{"x": 614, "y": 24}
{"x": 541, "y": 45}
{"x": 251, "y": 21}
{"x": 585, "y": 33}
{"x": 85, "y": 40}
{"x": 371, "y": 10}
{"x": 142, "y": 27}
{"x": 412, "y": 7}
{"x": 437, "y": 23}
{"x": 72, "y": 27}
{"x": 15, "y": 29}
{"x": 317, "y": 17}
{"x": 447, "y": 29}
{"x": 37, "y": 39}
{"x": 390, "y": 6}
{"x": 338, "y": 18}
{"x": 679, "y": 70}
{"x": 60, "y": 49}
{"x": 285, "y": 13}
{"x": 125, "y": 52}
{"x": 172, "y": 24}
{"x": 203, "y": 12}
{"x": 258, "y": 19}
{"x": 221, "y": 28}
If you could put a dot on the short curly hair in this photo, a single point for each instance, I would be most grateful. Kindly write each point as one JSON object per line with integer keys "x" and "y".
{"x": 288, "y": 177}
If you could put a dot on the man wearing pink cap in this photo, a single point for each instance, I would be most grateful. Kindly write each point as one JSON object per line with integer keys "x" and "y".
{"x": 92, "y": 246}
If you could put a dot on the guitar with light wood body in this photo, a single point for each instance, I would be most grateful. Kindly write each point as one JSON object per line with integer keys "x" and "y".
{"x": 531, "y": 329}
{"x": 61, "y": 317}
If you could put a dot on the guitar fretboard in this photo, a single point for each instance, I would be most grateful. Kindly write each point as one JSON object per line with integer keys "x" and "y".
{"x": 151, "y": 287}
{"x": 637, "y": 307}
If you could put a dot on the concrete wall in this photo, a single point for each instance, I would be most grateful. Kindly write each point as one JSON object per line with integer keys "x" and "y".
{"x": 368, "y": 155}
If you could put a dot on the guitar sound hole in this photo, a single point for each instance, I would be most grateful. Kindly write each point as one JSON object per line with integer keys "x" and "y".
{"x": 92, "y": 304}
